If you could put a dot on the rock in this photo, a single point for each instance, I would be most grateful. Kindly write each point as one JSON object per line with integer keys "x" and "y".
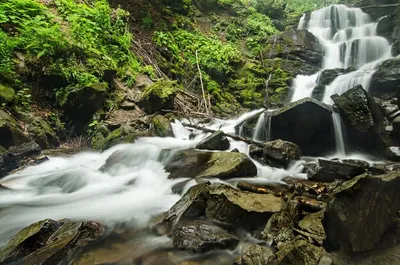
{"x": 7, "y": 94}
{"x": 203, "y": 164}
{"x": 330, "y": 170}
{"x": 396, "y": 128}
{"x": 379, "y": 10}
{"x": 50, "y": 242}
{"x": 22, "y": 243}
{"x": 256, "y": 255}
{"x": 364, "y": 121}
{"x": 222, "y": 204}
{"x": 79, "y": 104}
{"x": 162, "y": 127}
{"x": 202, "y": 236}
{"x": 312, "y": 226}
{"x": 386, "y": 79}
{"x": 393, "y": 153}
{"x": 372, "y": 199}
{"x": 298, "y": 44}
{"x": 41, "y": 132}
{"x": 327, "y": 76}
{"x": 276, "y": 152}
{"x": 279, "y": 228}
{"x": 385, "y": 27}
{"x": 16, "y": 157}
{"x": 10, "y": 131}
{"x": 288, "y": 124}
{"x": 216, "y": 141}
{"x": 159, "y": 96}
{"x": 299, "y": 251}
{"x": 318, "y": 92}
{"x": 124, "y": 134}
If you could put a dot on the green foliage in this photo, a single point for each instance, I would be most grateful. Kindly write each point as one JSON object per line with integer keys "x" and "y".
{"x": 75, "y": 40}
{"x": 308, "y": 5}
{"x": 272, "y": 8}
{"x": 215, "y": 57}
{"x": 259, "y": 28}
{"x": 23, "y": 99}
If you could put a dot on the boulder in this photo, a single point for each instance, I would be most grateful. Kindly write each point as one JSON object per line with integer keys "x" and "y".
{"x": 256, "y": 255}
{"x": 11, "y": 133}
{"x": 7, "y": 94}
{"x": 318, "y": 92}
{"x": 327, "y": 76}
{"x": 159, "y": 96}
{"x": 17, "y": 156}
{"x": 41, "y": 132}
{"x": 329, "y": 171}
{"x": 49, "y": 242}
{"x": 162, "y": 127}
{"x": 386, "y": 79}
{"x": 289, "y": 123}
{"x": 299, "y": 251}
{"x": 223, "y": 204}
{"x": 372, "y": 199}
{"x": 203, "y": 164}
{"x": 297, "y": 44}
{"x": 380, "y": 9}
{"x": 202, "y": 236}
{"x": 79, "y": 104}
{"x": 393, "y": 153}
{"x": 216, "y": 141}
{"x": 364, "y": 122}
{"x": 312, "y": 227}
{"x": 276, "y": 152}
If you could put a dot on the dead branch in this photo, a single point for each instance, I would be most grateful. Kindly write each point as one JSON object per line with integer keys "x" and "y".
{"x": 201, "y": 82}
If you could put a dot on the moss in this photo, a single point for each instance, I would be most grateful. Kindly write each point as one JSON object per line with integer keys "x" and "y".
{"x": 7, "y": 94}
{"x": 162, "y": 89}
{"x": 162, "y": 127}
{"x": 124, "y": 134}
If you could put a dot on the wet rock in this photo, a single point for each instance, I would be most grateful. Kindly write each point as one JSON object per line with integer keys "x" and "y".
{"x": 276, "y": 153}
{"x": 396, "y": 128}
{"x": 17, "y": 156}
{"x": 393, "y": 153}
{"x": 357, "y": 162}
{"x": 28, "y": 240}
{"x": 279, "y": 228}
{"x": 386, "y": 80}
{"x": 50, "y": 242}
{"x": 318, "y": 92}
{"x": 203, "y": 164}
{"x": 327, "y": 76}
{"x": 364, "y": 121}
{"x": 289, "y": 124}
{"x": 216, "y": 141}
{"x": 299, "y": 251}
{"x": 256, "y": 255}
{"x": 295, "y": 44}
{"x": 379, "y": 10}
{"x": 313, "y": 228}
{"x": 162, "y": 127}
{"x": 159, "y": 96}
{"x": 202, "y": 236}
{"x": 222, "y": 204}
{"x": 372, "y": 199}
{"x": 330, "y": 170}
{"x": 80, "y": 104}
{"x": 41, "y": 132}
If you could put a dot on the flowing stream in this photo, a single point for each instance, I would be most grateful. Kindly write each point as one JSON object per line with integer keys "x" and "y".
{"x": 128, "y": 184}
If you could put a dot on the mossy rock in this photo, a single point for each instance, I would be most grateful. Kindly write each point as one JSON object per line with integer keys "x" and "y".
{"x": 124, "y": 134}
{"x": 159, "y": 96}
{"x": 162, "y": 127}
{"x": 99, "y": 137}
{"x": 10, "y": 131}
{"x": 7, "y": 94}
{"x": 42, "y": 132}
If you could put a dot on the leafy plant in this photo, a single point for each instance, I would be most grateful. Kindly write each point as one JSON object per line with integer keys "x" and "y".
{"x": 23, "y": 98}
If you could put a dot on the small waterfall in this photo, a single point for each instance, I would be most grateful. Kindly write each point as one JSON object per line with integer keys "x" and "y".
{"x": 337, "y": 125}
{"x": 262, "y": 131}
{"x": 349, "y": 37}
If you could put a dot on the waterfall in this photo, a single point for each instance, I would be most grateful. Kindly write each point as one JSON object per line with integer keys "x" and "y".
{"x": 337, "y": 125}
{"x": 262, "y": 131}
{"x": 349, "y": 38}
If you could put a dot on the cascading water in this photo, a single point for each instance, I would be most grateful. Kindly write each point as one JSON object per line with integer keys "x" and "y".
{"x": 350, "y": 39}
{"x": 337, "y": 125}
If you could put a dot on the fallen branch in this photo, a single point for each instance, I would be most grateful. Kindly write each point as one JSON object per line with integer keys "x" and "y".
{"x": 201, "y": 82}
{"x": 234, "y": 137}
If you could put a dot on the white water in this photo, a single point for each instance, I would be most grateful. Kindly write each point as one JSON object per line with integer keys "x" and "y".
{"x": 131, "y": 188}
{"x": 337, "y": 125}
{"x": 349, "y": 38}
